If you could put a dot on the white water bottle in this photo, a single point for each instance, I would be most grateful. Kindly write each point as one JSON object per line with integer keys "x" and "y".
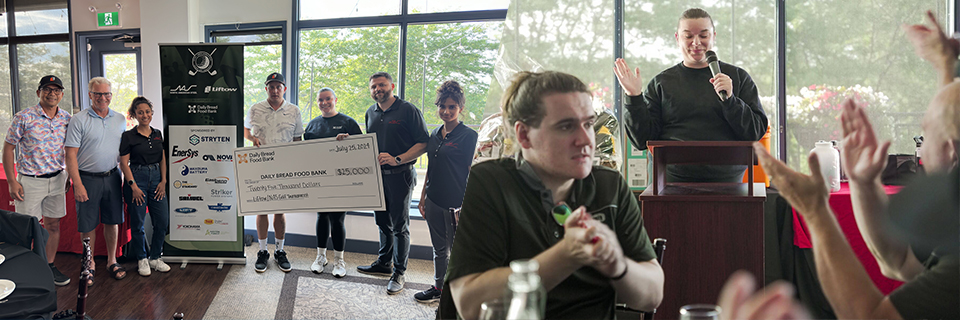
{"x": 829, "y": 159}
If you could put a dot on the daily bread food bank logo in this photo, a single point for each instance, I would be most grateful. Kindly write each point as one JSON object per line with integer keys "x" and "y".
{"x": 255, "y": 157}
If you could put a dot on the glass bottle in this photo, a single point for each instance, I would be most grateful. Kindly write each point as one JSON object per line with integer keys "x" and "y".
{"x": 528, "y": 299}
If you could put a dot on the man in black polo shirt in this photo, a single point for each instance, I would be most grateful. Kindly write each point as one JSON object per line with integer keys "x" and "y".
{"x": 402, "y": 137}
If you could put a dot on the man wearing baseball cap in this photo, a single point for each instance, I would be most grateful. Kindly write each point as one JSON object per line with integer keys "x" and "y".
{"x": 270, "y": 122}
{"x": 38, "y": 188}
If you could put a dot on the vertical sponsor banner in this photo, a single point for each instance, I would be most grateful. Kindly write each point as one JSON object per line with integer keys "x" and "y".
{"x": 203, "y": 189}
{"x": 203, "y": 123}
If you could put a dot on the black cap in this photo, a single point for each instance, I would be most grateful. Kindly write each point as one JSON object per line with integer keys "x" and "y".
{"x": 50, "y": 79}
{"x": 276, "y": 76}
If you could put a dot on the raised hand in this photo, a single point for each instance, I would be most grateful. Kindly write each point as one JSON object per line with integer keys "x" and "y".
{"x": 807, "y": 193}
{"x": 630, "y": 80}
{"x": 863, "y": 158}
{"x": 932, "y": 44}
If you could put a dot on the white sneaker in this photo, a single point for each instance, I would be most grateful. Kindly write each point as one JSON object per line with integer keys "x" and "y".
{"x": 157, "y": 264}
{"x": 319, "y": 263}
{"x": 143, "y": 267}
{"x": 339, "y": 268}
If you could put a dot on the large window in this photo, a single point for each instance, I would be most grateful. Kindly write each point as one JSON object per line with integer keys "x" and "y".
{"x": 838, "y": 49}
{"x": 33, "y": 43}
{"x": 343, "y": 59}
{"x": 37, "y": 17}
{"x": 341, "y": 44}
{"x": 262, "y": 55}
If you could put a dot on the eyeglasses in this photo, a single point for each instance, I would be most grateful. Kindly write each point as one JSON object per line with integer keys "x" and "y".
{"x": 102, "y": 94}
{"x": 51, "y": 90}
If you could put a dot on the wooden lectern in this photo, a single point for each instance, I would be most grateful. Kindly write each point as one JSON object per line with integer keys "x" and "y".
{"x": 714, "y": 228}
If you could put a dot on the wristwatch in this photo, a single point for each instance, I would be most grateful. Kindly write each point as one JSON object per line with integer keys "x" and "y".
{"x": 398, "y": 160}
{"x": 131, "y": 182}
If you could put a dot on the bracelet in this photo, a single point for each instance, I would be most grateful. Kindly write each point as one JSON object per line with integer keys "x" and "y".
{"x": 622, "y": 274}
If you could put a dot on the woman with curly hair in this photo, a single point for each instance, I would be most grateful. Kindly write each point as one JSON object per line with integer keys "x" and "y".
{"x": 450, "y": 152}
{"x": 145, "y": 172}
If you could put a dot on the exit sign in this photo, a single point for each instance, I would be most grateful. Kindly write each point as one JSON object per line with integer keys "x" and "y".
{"x": 108, "y": 19}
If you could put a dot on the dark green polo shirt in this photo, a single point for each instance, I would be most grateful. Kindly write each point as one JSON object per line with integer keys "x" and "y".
{"x": 506, "y": 216}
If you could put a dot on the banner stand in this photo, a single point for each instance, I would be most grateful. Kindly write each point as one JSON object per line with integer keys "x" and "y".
{"x": 202, "y": 87}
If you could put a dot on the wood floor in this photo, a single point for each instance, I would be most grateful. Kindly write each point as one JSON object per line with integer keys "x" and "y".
{"x": 158, "y": 296}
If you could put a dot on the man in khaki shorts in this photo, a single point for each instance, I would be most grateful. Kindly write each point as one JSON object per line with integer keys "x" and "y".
{"x": 38, "y": 189}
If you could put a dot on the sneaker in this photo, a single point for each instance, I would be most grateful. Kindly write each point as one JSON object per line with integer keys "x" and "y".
{"x": 376, "y": 269}
{"x": 396, "y": 284}
{"x": 282, "y": 262}
{"x": 59, "y": 278}
{"x": 157, "y": 264}
{"x": 339, "y": 268}
{"x": 319, "y": 263}
{"x": 143, "y": 267}
{"x": 262, "y": 257}
{"x": 427, "y": 296}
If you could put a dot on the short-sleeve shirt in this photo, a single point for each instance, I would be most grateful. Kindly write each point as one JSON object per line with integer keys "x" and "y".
{"x": 398, "y": 128}
{"x": 321, "y": 127}
{"x": 925, "y": 215}
{"x": 449, "y": 165}
{"x": 506, "y": 216}
{"x": 274, "y": 126}
{"x": 97, "y": 138}
{"x": 40, "y": 139}
{"x": 142, "y": 150}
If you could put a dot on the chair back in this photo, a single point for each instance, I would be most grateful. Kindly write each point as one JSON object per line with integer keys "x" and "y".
{"x": 24, "y": 231}
{"x": 659, "y": 245}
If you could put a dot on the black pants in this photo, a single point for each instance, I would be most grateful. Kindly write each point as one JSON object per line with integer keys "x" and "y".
{"x": 394, "y": 223}
{"x": 339, "y": 232}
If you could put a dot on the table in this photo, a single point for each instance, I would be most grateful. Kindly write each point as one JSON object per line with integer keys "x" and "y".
{"x": 69, "y": 237}
{"x": 842, "y": 207}
{"x": 35, "y": 294}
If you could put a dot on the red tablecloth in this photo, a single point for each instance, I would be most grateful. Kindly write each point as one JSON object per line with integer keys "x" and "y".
{"x": 843, "y": 209}
{"x": 69, "y": 236}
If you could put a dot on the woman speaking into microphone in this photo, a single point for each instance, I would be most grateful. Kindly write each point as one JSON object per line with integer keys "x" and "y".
{"x": 688, "y": 102}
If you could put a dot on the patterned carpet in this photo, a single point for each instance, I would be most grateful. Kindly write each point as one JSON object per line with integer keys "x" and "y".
{"x": 306, "y": 295}
{"x": 301, "y": 294}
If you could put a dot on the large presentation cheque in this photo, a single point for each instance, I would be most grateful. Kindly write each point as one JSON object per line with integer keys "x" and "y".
{"x": 323, "y": 175}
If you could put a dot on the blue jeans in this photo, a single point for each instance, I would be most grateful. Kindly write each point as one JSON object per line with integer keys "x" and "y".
{"x": 147, "y": 178}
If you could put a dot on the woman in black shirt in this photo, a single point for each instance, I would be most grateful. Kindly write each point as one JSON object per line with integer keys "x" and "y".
{"x": 450, "y": 153}
{"x": 330, "y": 124}
{"x": 145, "y": 172}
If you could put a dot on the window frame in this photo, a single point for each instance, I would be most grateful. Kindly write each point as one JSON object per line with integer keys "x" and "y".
{"x": 404, "y": 19}
{"x": 211, "y": 31}
{"x": 12, "y": 40}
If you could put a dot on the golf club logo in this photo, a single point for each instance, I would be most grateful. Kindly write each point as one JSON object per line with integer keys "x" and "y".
{"x": 202, "y": 62}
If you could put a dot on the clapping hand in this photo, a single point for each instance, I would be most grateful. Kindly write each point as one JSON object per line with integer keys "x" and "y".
{"x": 739, "y": 301}
{"x": 932, "y": 44}
{"x": 807, "y": 193}
{"x": 863, "y": 158}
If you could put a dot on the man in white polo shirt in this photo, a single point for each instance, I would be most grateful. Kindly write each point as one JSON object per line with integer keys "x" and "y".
{"x": 270, "y": 122}
{"x": 38, "y": 190}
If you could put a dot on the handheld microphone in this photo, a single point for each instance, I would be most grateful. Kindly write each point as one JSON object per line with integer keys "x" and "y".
{"x": 715, "y": 69}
